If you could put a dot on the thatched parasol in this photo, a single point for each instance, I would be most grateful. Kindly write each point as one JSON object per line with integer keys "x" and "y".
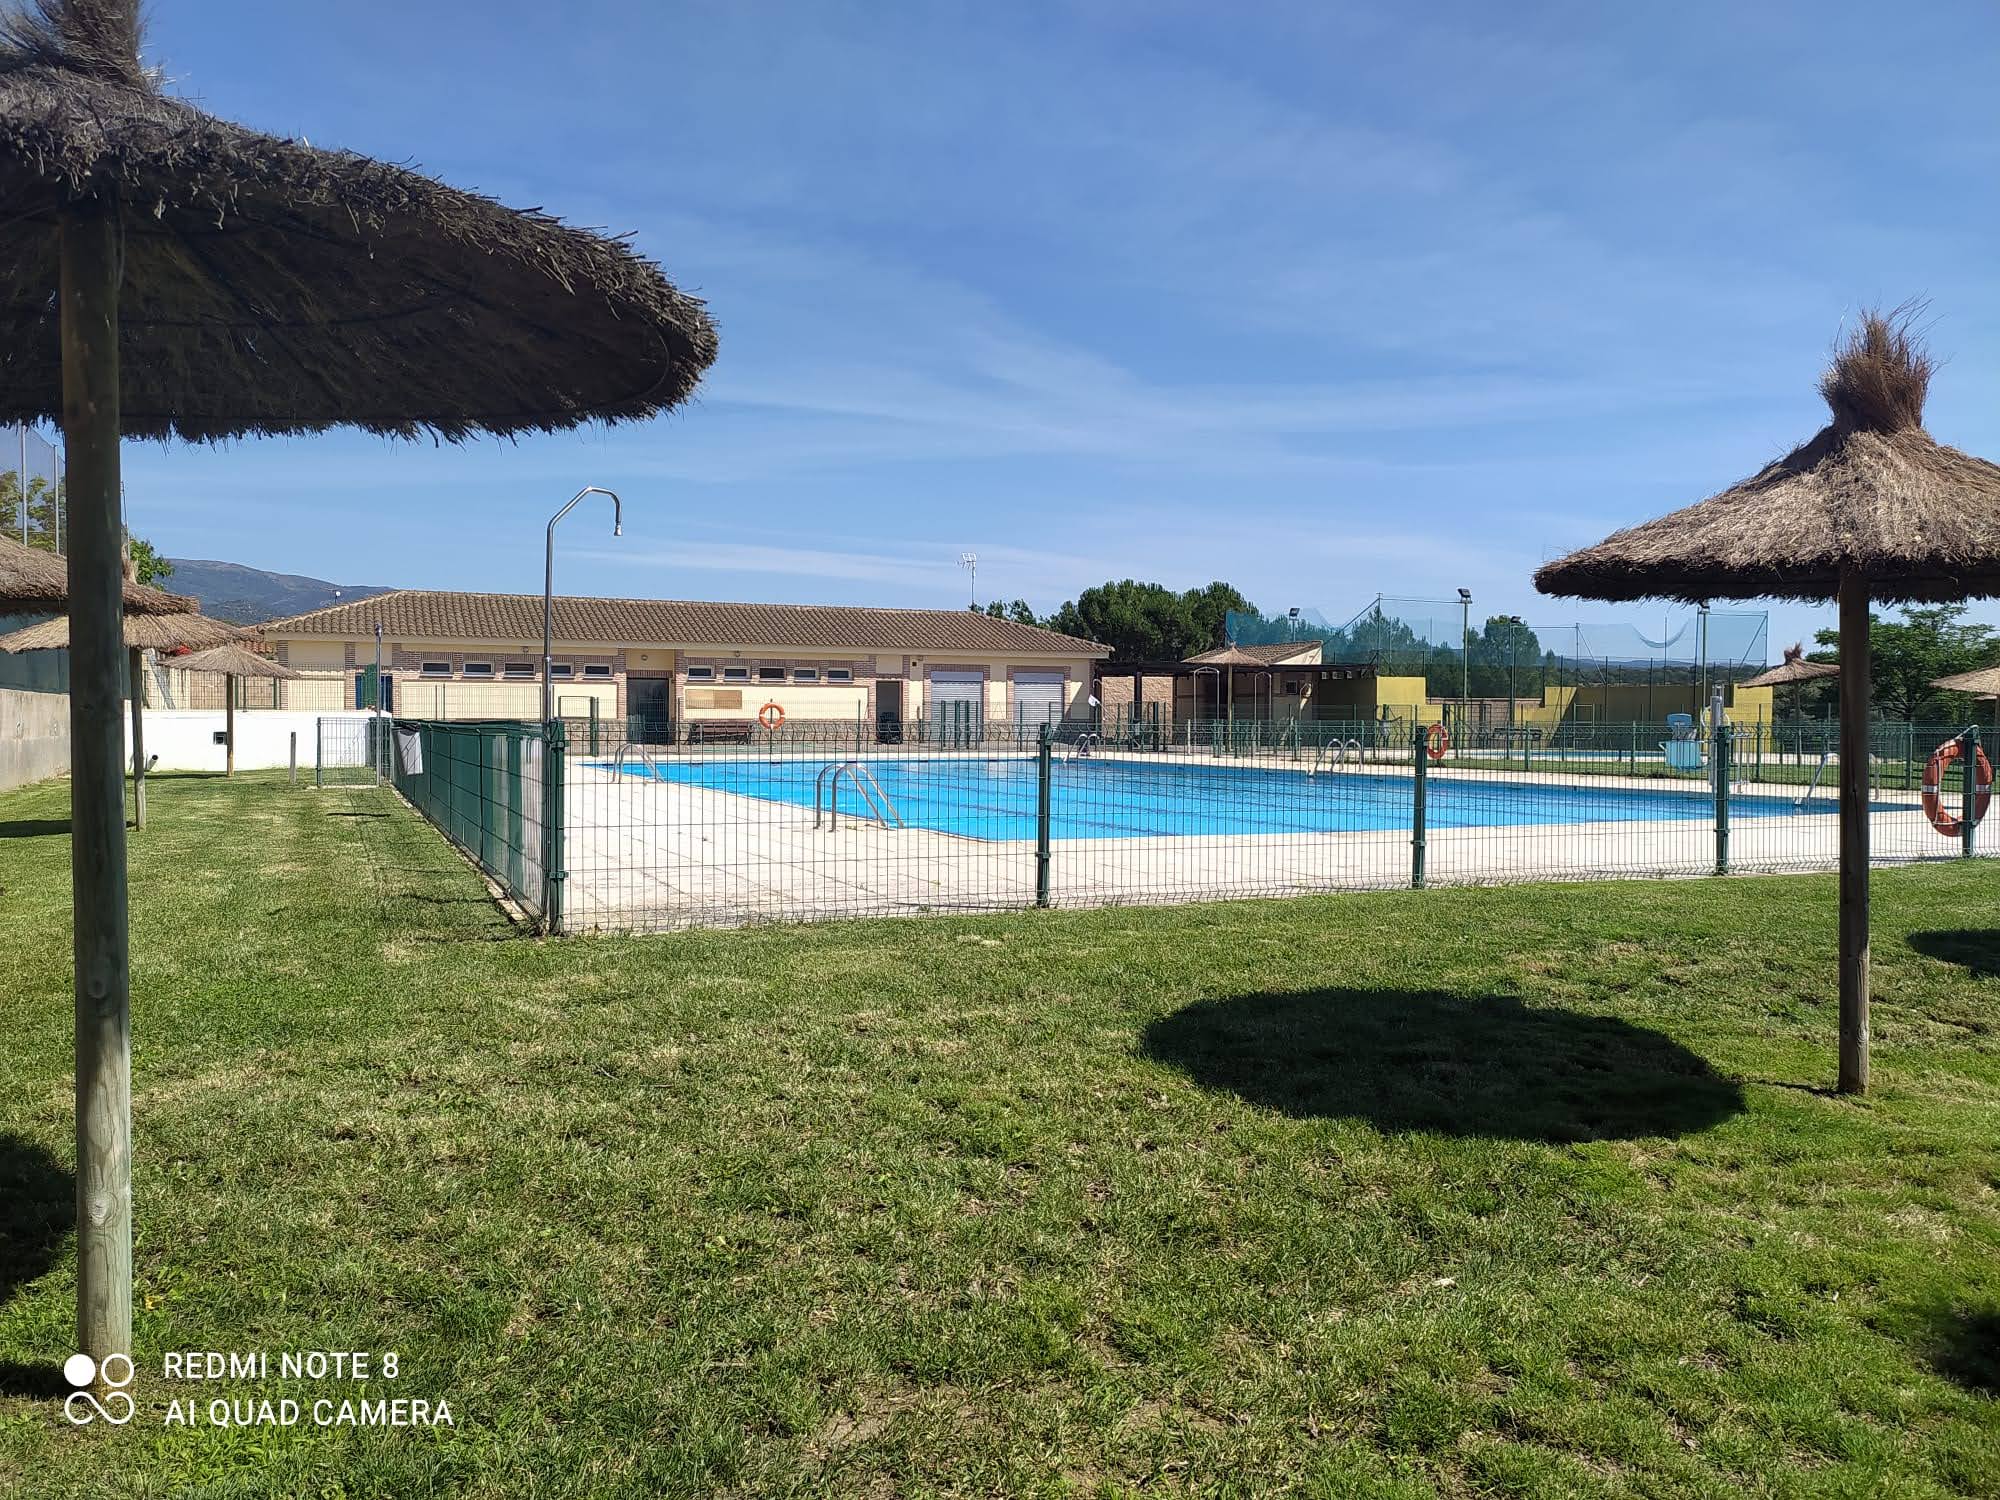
{"x": 35, "y": 582}
{"x": 233, "y": 661}
{"x": 1871, "y": 508}
{"x": 141, "y": 633}
{"x": 170, "y": 273}
{"x": 1793, "y": 671}
{"x": 1983, "y": 683}
{"x": 187, "y": 632}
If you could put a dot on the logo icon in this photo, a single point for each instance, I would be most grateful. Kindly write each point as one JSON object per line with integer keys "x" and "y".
{"x": 80, "y": 1370}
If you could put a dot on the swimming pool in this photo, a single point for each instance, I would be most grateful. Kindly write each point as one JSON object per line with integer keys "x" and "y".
{"x": 1111, "y": 799}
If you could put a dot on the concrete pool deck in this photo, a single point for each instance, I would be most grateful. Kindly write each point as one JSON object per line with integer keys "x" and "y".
{"x": 648, "y": 855}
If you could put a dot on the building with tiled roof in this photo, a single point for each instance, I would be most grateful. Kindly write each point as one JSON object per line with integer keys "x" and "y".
{"x": 665, "y": 666}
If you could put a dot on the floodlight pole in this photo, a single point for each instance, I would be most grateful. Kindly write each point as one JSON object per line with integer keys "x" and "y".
{"x": 549, "y": 589}
{"x": 92, "y": 253}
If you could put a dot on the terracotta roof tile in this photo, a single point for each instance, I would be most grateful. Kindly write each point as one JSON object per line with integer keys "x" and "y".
{"x": 438, "y": 615}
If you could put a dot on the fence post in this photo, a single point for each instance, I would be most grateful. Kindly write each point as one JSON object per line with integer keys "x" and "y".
{"x": 593, "y": 724}
{"x": 1417, "y": 811}
{"x": 553, "y": 848}
{"x": 1044, "y": 772}
{"x": 1721, "y": 761}
{"x": 319, "y": 752}
{"x": 1969, "y": 806}
{"x": 295, "y": 757}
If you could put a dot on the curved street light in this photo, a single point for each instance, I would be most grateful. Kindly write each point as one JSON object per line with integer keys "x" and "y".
{"x": 549, "y": 589}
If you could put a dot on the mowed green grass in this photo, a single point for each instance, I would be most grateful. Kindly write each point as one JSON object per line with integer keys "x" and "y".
{"x": 1461, "y": 1192}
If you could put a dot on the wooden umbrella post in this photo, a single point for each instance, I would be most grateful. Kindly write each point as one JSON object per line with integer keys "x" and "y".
{"x": 229, "y": 725}
{"x": 1853, "y": 834}
{"x": 135, "y": 674}
{"x": 91, "y": 258}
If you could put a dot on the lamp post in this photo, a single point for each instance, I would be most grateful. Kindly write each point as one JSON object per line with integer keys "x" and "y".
{"x": 549, "y": 590}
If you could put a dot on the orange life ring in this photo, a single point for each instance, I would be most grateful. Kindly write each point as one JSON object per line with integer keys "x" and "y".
{"x": 1437, "y": 740}
{"x": 771, "y": 716}
{"x": 1945, "y": 822}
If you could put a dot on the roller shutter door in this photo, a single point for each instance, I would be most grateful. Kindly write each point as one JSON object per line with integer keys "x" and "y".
{"x": 1038, "y": 700}
{"x": 957, "y": 704}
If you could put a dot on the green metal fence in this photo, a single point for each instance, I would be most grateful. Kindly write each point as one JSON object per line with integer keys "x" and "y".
{"x": 635, "y": 836}
{"x": 495, "y": 790}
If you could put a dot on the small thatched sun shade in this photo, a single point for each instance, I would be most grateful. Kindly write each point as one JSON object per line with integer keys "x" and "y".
{"x": 234, "y": 661}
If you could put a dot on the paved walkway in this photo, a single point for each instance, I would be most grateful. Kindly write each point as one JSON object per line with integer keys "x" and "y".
{"x": 649, "y": 855}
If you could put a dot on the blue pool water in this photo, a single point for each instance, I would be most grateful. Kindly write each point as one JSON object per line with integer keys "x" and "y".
{"x": 1106, "y": 799}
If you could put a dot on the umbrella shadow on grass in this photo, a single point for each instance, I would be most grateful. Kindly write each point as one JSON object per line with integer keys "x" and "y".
{"x": 34, "y": 828}
{"x": 1974, "y": 949}
{"x": 37, "y": 1208}
{"x": 1965, "y": 1349}
{"x": 1462, "y": 1065}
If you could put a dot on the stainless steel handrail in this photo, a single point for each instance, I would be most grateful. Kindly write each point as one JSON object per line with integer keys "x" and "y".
{"x": 826, "y": 795}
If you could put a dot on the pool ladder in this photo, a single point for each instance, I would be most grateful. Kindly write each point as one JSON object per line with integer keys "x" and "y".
{"x": 1339, "y": 749}
{"x": 1084, "y": 743}
{"x": 645, "y": 754}
{"x": 826, "y": 795}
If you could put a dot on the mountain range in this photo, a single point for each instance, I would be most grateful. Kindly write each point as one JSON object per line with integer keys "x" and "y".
{"x": 244, "y": 596}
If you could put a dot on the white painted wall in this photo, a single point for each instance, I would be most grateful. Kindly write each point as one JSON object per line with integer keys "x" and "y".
{"x": 184, "y": 739}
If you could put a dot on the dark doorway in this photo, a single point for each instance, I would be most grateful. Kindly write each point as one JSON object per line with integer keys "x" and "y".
{"x": 889, "y": 710}
{"x": 649, "y": 703}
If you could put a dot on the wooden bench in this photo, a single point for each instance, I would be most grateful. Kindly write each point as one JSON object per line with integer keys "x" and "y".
{"x": 721, "y": 732}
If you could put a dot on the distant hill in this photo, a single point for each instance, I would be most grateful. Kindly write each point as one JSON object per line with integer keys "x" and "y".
{"x": 243, "y": 596}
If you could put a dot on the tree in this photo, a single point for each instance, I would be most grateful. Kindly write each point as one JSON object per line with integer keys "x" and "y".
{"x": 45, "y": 524}
{"x": 1503, "y": 657}
{"x": 147, "y": 562}
{"x": 1930, "y": 641}
{"x": 1017, "y": 610}
{"x": 1148, "y": 621}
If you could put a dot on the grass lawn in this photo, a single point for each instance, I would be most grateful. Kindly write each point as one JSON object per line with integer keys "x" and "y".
{"x": 1461, "y": 1192}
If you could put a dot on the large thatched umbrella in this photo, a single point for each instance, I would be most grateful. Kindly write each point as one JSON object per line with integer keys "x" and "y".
{"x": 169, "y": 274}
{"x": 186, "y": 631}
{"x": 1870, "y": 508}
{"x": 233, "y": 661}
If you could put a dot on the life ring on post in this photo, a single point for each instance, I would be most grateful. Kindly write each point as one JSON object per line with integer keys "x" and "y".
{"x": 771, "y": 716}
{"x": 1437, "y": 740}
{"x": 1946, "y": 755}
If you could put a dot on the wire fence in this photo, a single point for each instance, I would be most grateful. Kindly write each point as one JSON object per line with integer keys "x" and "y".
{"x": 635, "y": 836}
{"x": 494, "y": 790}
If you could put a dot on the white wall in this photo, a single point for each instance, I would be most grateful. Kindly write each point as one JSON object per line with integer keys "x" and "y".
{"x": 184, "y": 740}
{"x": 34, "y": 736}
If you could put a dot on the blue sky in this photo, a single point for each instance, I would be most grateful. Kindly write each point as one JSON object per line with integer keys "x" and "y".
{"x": 1323, "y": 300}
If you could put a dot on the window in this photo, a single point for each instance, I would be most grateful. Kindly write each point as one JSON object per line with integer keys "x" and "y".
{"x": 596, "y": 672}
{"x": 561, "y": 671}
{"x": 806, "y": 674}
{"x": 840, "y": 674}
{"x": 770, "y": 674}
{"x": 701, "y": 674}
{"x": 520, "y": 669}
{"x": 436, "y": 669}
{"x": 735, "y": 674}
{"x": 479, "y": 669}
